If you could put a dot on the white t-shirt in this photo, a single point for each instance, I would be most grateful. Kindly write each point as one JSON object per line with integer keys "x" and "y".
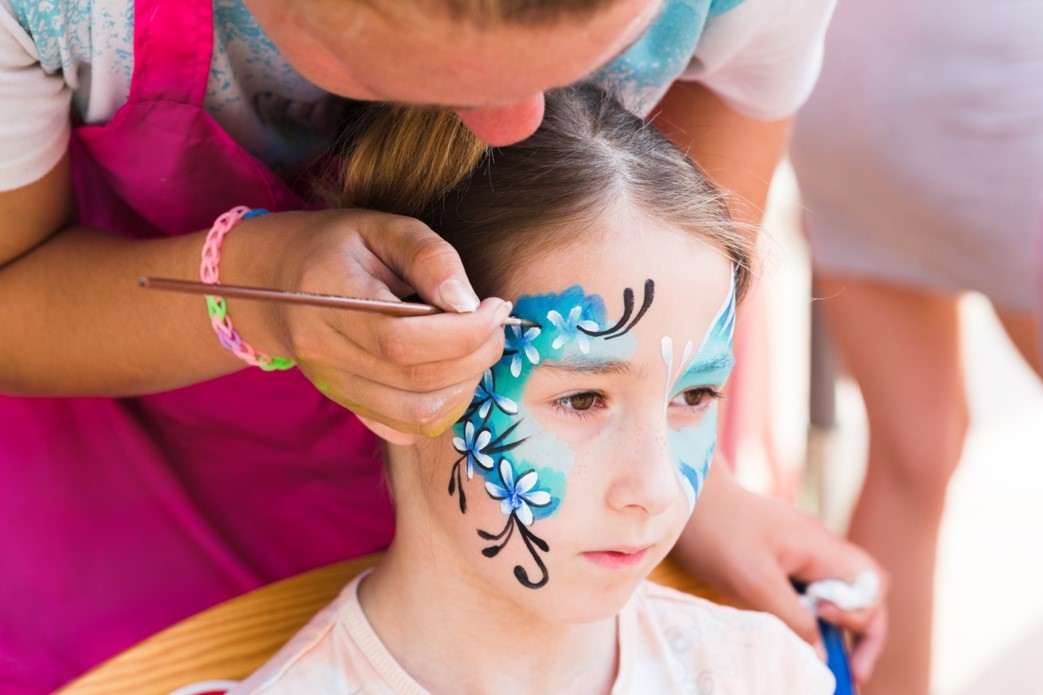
{"x": 761, "y": 56}
{"x": 669, "y": 642}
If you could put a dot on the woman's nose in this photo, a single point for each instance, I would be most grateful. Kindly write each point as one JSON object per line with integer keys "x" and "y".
{"x": 505, "y": 125}
{"x": 644, "y": 476}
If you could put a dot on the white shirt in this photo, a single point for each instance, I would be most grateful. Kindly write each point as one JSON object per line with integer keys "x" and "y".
{"x": 761, "y": 57}
{"x": 669, "y": 642}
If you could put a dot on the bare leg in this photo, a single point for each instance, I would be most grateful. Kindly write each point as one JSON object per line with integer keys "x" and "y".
{"x": 1024, "y": 333}
{"x": 901, "y": 346}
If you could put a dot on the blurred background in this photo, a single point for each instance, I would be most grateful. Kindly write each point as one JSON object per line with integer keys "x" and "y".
{"x": 989, "y": 582}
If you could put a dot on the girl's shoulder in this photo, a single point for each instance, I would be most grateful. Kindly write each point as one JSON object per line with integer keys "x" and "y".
{"x": 710, "y": 645}
{"x": 338, "y": 651}
{"x": 677, "y": 610}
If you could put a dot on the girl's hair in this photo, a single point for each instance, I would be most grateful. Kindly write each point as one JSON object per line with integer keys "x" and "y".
{"x": 502, "y": 207}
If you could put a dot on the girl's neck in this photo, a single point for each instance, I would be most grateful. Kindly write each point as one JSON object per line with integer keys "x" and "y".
{"x": 451, "y": 636}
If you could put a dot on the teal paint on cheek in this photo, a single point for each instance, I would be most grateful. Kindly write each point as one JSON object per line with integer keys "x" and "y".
{"x": 497, "y": 419}
{"x": 692, "y": 449}
{"x": 546, "y": 454}
{"x": 561, "y": 316}
{"x": 524, "y": 468}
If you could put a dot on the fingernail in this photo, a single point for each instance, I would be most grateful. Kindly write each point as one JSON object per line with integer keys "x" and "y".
{"x": 437, "y": 429}
{"x": 502, "y": 313}
{"x": 457, "y": 296}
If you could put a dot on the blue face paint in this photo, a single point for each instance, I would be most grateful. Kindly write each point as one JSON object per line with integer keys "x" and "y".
{"x": 693, "y": 447}
{"x": 524, "y": 469}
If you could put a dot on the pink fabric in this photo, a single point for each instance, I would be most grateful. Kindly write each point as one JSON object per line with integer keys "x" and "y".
{"x": 121, "y": 517}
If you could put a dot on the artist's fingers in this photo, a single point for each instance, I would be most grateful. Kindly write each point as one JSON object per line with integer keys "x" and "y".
{"x": 417, "y": 378}
{"x": 868, "y": 645}
{"x": 422, "y": 258}
{"x": 424, "y": 340}
{"x": 869, "y": 627}
{"x": 333, "y": 359}
{"x": 831, "y": 557}
{"x": 853, "y": 621}
{"x": 428, "y": 414}
{"x": 772, "y": 592}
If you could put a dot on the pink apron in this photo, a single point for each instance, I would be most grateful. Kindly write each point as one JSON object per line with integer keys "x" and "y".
{"x": 121, "y": 517}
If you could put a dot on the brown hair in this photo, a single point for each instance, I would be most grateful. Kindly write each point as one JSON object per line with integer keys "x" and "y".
{"x": 497, "y": 205}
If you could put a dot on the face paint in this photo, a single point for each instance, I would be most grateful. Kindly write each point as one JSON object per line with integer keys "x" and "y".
{"x": 524, "y": 469}
{"x": 693, "y": 446}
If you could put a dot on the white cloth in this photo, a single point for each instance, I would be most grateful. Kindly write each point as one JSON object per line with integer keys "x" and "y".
{"x": 855, "y": 595}
{"x": 920, "y": 152}
{"x": 669, "y": 642}
{"x": 761, "y": 57}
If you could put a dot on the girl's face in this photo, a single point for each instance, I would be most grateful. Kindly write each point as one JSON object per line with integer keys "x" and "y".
{"x": 390, "y": 50}
{"x": 586, "y": 446}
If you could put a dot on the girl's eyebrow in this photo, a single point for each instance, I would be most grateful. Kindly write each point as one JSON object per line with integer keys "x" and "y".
{"x": 595, "y": 367}
{"x": 719, "y": 362}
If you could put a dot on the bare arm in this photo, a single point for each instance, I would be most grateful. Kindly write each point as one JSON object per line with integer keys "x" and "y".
{"x": 737, "y": 152}
{"x": 75, "y": 322}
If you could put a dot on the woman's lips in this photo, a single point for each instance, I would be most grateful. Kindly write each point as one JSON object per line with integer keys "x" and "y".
{"x": 618, "y": 559}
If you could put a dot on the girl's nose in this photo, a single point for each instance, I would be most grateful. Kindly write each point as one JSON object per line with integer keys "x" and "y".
{"x": 644, "y": 476}
{"x": 505, "y": 125}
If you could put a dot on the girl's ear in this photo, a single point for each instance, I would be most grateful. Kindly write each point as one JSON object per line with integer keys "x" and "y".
{"x": 388, "y": 434}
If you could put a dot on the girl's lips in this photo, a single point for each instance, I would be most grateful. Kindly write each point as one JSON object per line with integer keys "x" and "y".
{"x": 617, "y": 559}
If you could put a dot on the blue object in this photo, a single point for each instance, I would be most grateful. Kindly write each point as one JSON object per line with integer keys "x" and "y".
{"x": 836, "y": 657}
{"x": 836, "y": 651}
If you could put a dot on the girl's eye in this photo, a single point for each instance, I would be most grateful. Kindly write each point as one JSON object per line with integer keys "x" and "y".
{"x": 579, "y": 401}
{"x": 693, "y": 398}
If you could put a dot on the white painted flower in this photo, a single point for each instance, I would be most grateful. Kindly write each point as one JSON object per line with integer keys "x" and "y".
{"x": 486, "y": 397}
{"x": 517, "y": 497}
{"x": 569, "y": 329}
{"x": 667, "y": 345}
{"x": 472, "y": 446}
{"x": 520, "y": 343}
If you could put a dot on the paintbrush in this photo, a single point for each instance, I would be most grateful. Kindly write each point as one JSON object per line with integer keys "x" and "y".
{"x": 376, "y": 306}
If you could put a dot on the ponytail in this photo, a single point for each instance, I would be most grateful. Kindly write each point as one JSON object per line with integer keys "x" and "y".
{"x": 501, "y": 208}
{"x": 403, "y": 159}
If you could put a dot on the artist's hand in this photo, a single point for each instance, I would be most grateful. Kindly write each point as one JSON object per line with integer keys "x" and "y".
{"x": 748, "y": 546}
{"x": 413, "y": 375}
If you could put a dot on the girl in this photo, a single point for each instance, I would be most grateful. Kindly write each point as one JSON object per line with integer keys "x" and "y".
{"x": 127, "y": 126}
{"x": 524, "y": 534}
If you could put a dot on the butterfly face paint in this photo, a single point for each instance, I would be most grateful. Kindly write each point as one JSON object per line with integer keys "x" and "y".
{"x": 693, "y": 444}
{"x": 563, "y": 484}
{"x": 523, "y": 468}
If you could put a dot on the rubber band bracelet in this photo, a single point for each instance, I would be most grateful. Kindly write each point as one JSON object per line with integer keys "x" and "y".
{"x": 215, "y": 304}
